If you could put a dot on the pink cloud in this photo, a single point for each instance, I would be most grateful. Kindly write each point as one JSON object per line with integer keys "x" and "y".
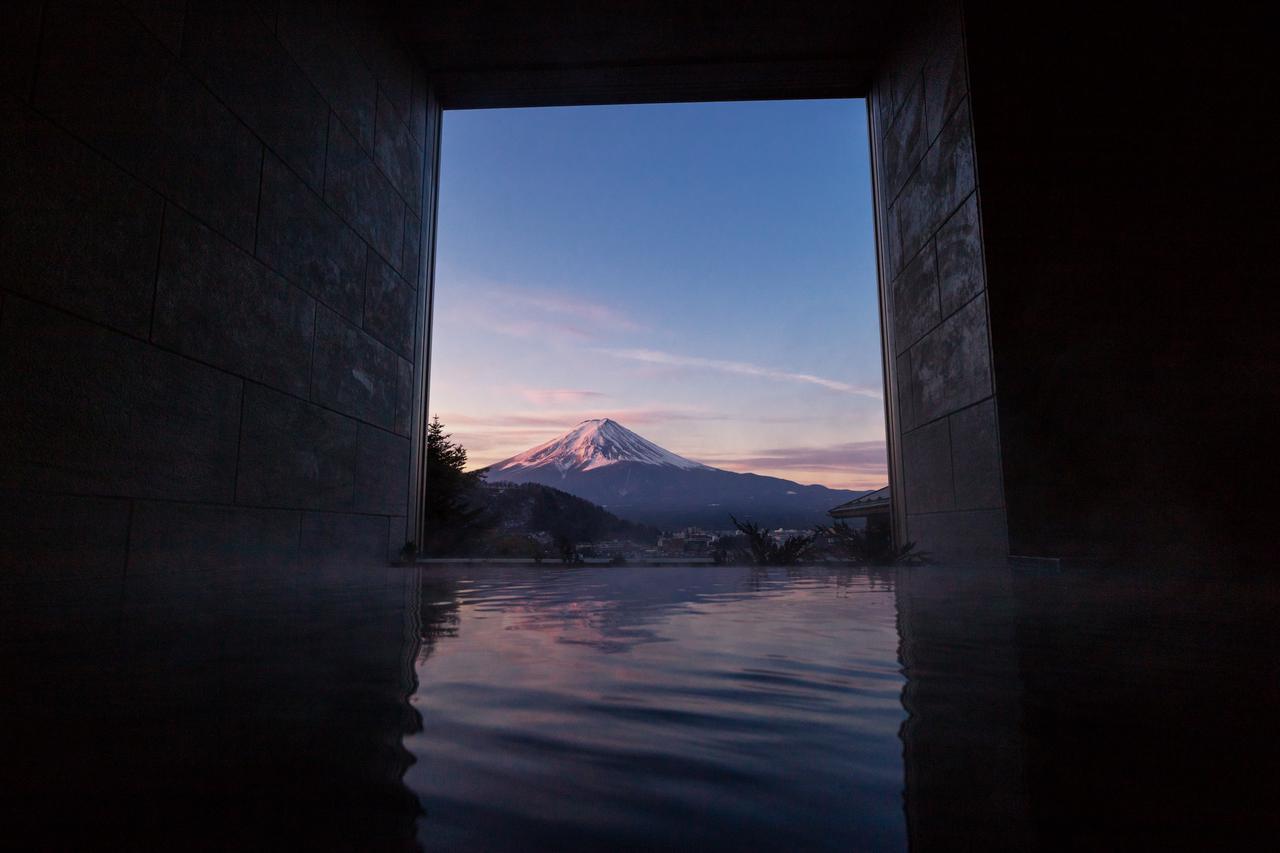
{"x": 548, "y": 396}
{"x": 492, "y": 437}
{"x": 599, "y": 315}
{"x": 563, "y": 421}
{"x": 867, "y": 457}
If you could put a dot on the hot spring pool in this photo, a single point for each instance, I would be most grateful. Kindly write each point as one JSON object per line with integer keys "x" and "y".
{"x": 660, "y": 708}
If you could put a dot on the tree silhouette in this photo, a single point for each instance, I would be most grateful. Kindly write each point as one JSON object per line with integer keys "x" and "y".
{"x": 452, "y": 519}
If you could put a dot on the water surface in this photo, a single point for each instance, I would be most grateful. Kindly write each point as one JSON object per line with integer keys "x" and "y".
{"x": 674, "y": 707}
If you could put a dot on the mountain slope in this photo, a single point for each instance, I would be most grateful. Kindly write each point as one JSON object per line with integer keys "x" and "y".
{"x": 593, "y": 444}
{"x": 608, "y": 464}
{"x": 532, "y": 508}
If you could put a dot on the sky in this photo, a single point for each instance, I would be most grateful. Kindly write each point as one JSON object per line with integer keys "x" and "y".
{"x": 704, "y": 274}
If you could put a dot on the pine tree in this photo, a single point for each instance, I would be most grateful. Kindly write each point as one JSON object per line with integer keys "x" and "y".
{"x": 452, "y": 518}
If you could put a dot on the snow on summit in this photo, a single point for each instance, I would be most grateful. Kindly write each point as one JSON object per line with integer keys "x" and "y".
{"x": 605, "y": 463}
{"x": 594, "y": 444}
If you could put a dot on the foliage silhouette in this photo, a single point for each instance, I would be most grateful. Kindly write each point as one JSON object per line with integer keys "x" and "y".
{"x": 766, "y": 552}
{"x": 872, "y": 546}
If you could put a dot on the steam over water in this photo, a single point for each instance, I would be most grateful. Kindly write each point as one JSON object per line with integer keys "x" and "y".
{"x": 621, "y": 708}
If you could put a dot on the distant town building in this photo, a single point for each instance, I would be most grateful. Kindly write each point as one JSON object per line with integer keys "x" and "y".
{"x": 690, "y": 541}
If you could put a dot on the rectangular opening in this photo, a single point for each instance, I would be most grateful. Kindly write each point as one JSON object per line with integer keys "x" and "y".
{"x": 668, "y": 311}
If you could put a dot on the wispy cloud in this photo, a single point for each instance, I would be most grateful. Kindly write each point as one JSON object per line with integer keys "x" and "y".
{"x": 564, "y": 420}
{"x": 853, "y": 456}
{"x": 598, "y": 314}
{"x": 740, "y": 368}
{"x": 494, "y": 436}
{"x": 524, "y": 327}
{"x": 530, "y": 311}
{"x": 552, "y": 396}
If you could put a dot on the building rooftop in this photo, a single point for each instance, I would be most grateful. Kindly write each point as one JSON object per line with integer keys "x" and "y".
{"x": 872, "y": 503}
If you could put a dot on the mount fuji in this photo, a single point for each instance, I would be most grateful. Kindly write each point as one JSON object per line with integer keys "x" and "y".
{"x": 604, "y": 462}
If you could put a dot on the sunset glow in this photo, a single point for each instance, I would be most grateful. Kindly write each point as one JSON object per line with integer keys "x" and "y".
{"x": 645, "y": 264}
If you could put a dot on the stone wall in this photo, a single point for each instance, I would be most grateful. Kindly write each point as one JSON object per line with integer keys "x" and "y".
{"x": 1130, "y": 227}
{"x": 211, "y": 244}
{"x": 943, "y": 437}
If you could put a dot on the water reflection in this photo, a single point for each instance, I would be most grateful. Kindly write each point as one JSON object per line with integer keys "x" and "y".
{"x": 1090, "y": 710}
{"x": 233, "y": 705}
{"x": 716, "y": 708}
{"x": 938, "y": 708}
{"x": 209, "y": 708}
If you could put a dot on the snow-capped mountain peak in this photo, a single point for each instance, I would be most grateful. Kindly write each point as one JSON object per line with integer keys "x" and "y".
{"x": 594, "y": 444}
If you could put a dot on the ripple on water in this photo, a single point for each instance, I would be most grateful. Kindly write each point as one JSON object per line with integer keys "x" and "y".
{"x": 632, "y": 708}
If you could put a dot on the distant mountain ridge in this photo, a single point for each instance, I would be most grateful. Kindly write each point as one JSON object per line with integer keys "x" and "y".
{"x": 602, "y": 461}
{"x": 527, "y": 508}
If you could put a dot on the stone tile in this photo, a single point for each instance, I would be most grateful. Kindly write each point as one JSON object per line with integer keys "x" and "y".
{"x": 951, "y": 366}
{"x": 906, "y": 61}
{"x": 398, "y": 154}
{"x": 49, "y": 627}
{"x": 946, "y": 79}
{"x": 397, "y": 535}
{"x": 904, "y": 145}
{"x": 975, "y": 457}
{"x": 352, "y": 373}
{"x": 362, "y": 195}
{"x": 19, "y": 38}
{"x": 107, "y": 79}
{"x": 882, "y": 101}
{"x": 961, "y": 272}
{"x": 231, "y": 49}
{"x": 382, "y": 471}
{"x": 142, "y": 422}
{"x": 171, "y": 538}
{"x": 373, "y": 32}
{"x": 306, "y": 242}
{"x": 893, "y": 238}
{"x": 915, "y": 300}
{"x": 217, "y": 304}
{"x": 336, "y": 541}
{"x": 395, "y": 79}
{"x": 389, "y": 307}
{"x": 950, "y": 166}
{"x": 906, "y": 399}
{"x": 75, "y": 230}
{"x": 294, "y": 454}
{"x": 163, "y": 18}
{"x": 100, "y": 75}
{"x": 914, "y": 211}
{"x": 980, "y": 535}
{"x": 269, "y": 12}
{"x": 212, "y": 163}
{"x": 404, "y": 397}
{"x": 61, "y": 537}
{"x": 945, "y": 178}
{"x": 319, "y": 40}
{"x": 418, "y": 105}
{"x": 926, "y": 462}
{"x": 412, "y": 246}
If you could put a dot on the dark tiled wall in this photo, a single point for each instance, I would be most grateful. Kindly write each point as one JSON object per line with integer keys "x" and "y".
{"x": 210, "y": 244}
{"x": 1130, "y": 228}
{"x": 944, "y": 445}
